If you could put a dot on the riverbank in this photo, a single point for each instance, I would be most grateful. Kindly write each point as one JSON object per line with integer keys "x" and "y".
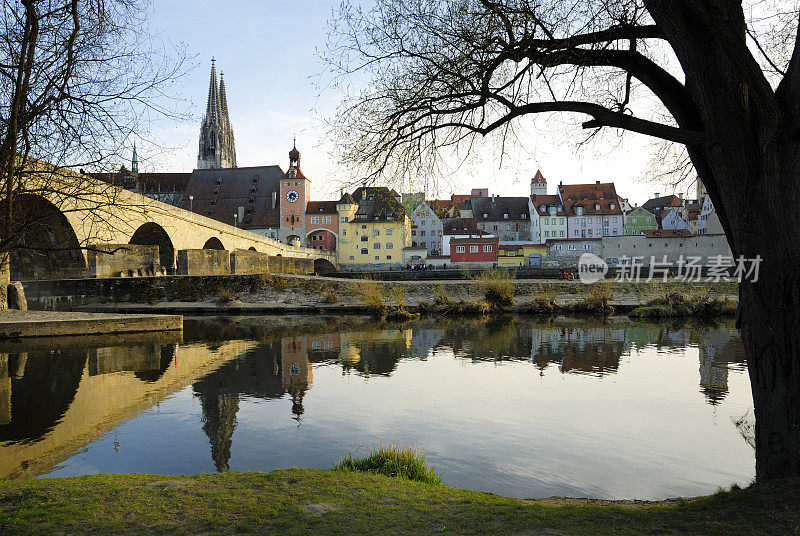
{"x": 287, "y": 294}
{"x": 303, "y": 501}
{"x": 38, "y": 324}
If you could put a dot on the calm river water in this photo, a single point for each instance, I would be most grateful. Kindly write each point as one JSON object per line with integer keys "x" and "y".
{"x": 517, "y": 406}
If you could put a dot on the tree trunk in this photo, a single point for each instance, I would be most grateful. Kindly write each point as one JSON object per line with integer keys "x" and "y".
{"x": 770, "y": 327}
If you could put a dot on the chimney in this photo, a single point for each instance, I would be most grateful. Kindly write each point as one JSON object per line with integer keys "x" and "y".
{"x": 658, "y": 194}
{"x": 597, "y": 183}
{"x": 680, "y": 196}
{"x": 240, "y": 214}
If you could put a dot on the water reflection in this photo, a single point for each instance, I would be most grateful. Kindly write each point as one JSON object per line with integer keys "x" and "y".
{"x": 56, "y": 400}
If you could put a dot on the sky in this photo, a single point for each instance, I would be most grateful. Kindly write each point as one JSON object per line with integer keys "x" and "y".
{"x": 269, "y": 53}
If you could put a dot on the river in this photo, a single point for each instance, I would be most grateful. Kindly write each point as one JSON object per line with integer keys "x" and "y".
{"x": 518, "y": 406}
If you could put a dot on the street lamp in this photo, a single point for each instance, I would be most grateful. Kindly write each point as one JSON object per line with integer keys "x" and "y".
{"x": 235, "y": 217}
{"x": 191, "y": 203}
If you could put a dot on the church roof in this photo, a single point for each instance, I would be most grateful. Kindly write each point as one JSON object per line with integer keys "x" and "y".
{"x": 218, "y": 194}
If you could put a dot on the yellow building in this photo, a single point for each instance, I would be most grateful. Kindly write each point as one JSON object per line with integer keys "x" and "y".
{"x": 518, "y": 255}
{"x": 373, "y": 229}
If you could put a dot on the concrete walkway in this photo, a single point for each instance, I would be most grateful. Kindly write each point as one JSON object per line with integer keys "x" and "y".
{"x": 17, "y": 324}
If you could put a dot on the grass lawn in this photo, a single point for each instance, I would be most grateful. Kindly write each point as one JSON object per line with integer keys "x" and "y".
{"x": 302, "y": 501}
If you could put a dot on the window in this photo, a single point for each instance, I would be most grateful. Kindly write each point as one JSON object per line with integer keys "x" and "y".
{"x": 344, "y": 232}
{"x": 376, "y": 232}
{"x": 389, "y": 245}
{"x": 364, "y": 251}
{"x": 473, "y": 249}
{"x": 326, "y": 219}
{"x": 459, "y": 249}
{"x": 505, "y": 215}
{"x": 423, "y": 244}
{"x": 577, "y": 233}
{"x": 422, "y": 223}
{"x": 376, "y": 245}
{"x": 377, "y": 258}
{"x": 388, "y": 232}
{"x": 571, "y": 247}
{"x": 487, "y": 249}
{"x": 314, "y": 219}
{"x": 587, "y": 247}
{"x": 547, "y": 234}
{"x": 590, "y": 232}
{"x": 364, "y": 238}
{"x": 561, "y": 221}
{"x": 522, "y": 216}
{"x": 388, "y": 257}
{"x": 352, "y": 258}
{"x": 483, "y": 227}
{"x": 344, "y": 219}
{"x": 413, "y": 232}
{"x": 562, "y": 234}
{"x": 422, "y": 233}
{"x": 495, "y": 227}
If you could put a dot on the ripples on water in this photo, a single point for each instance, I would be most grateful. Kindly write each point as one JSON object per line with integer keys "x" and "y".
{"x": 517, "y": 406}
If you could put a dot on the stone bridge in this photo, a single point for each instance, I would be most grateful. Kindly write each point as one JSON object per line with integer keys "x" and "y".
{"x": 97, "y": 230}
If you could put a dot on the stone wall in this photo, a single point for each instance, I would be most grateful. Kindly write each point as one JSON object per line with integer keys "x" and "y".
{"x": 204, "y": 262}
{"x": 703, "y": 246}
{"x": 113, "y": 260}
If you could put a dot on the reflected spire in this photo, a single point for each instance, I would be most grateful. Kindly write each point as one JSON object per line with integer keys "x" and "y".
{"x": 219, "y": 421}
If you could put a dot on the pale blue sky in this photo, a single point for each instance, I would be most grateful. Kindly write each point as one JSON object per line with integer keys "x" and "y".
{"x": 268, "y": 52}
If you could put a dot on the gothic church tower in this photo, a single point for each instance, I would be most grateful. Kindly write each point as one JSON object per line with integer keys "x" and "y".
{"x": 217, "y": 148}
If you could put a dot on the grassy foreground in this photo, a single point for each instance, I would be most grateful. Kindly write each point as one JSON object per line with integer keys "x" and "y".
{"x": 303, "y": 501}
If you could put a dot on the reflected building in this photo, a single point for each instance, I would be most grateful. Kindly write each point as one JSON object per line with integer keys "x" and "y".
{"x": 718, "y": 348}
{"x": 297, "y": 373}
{"x": 593, "y": 350}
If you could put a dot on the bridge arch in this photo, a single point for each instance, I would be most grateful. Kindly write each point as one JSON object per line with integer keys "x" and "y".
{"x": 152, "y": 234}
{"x": 47, "y": 246}
{"x": 213, "y": 243}
{"x": 323, "y": 267}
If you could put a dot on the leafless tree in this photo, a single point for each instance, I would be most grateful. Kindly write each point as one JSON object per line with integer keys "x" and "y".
{"x": 77, "y": 77}
{"x": 717, "y": 78}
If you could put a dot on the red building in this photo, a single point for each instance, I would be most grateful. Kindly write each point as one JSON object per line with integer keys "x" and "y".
{"x": 474, "y": 249}
{"x": 322, "y": 225}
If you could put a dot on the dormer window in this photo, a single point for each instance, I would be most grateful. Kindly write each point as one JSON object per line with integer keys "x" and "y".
{"x": 613, "y": 206}
{"x": 522, "y": 216}
{"x": 505, "y": 216}
{"x": 542, "y": 208}
{"x": 597, "y": 206}
{"x": 485, "y": 215}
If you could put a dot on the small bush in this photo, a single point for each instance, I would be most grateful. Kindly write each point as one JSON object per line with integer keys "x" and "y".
{"x": 329, "y": 297}
{"x": 227, "y": 296}
{"x": 498, "y": 287}
{"x": 371, "y": 294}
{"x": 440, "y": 295}
{"x": 542, "y": 302}
{"x": 393, "y": 461}
{"x": 397, "y": 295}
{"x": 598, "y": 298}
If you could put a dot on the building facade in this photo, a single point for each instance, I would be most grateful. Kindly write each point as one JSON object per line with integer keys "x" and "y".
{"x": 520, "y": 255}
{"x": 426, "y": 230}
{"x": 593, "y": 210}
{"x": 673, "y": 221}
{"x": 295, "y": 193}
{"x": 217, "y": 147}
{"x": 505, "y": 217}
{"x": 322, "y": 225}
{"x": 373, "y": 229}
{"x": 639, "y": 220}
{"x": 474, "y": 251}
{"x": 548, "y": 218}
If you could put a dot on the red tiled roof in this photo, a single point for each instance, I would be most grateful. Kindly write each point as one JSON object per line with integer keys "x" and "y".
{"x": 321, "y": 207}
{"x": 589, "y": 192}
{"x": 546, "y": 200}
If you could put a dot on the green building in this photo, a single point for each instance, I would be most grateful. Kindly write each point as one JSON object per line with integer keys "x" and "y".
{"x": 639, "y": 220}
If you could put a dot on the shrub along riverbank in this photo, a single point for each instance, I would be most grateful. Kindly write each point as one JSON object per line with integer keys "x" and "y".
{"x": 489, "y": 293}
{"x": 302, "y": 501}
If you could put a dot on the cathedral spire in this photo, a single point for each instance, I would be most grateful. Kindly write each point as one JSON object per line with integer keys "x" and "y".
{"x": 217, "y": 149}
{"x": 134, "y": 161}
